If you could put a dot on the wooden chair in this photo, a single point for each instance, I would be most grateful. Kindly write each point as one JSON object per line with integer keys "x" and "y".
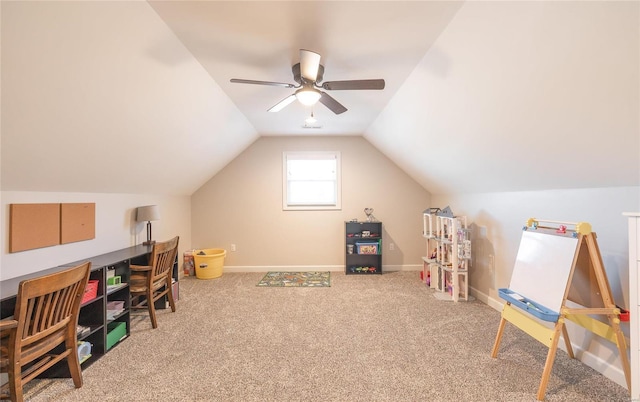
{"x": 45, "y": 317}
{"x": 151, "y": 282}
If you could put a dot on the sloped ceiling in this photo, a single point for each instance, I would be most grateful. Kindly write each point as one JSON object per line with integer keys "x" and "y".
{"x": 261, "y": 41}
{"x": 102, "y": 97}
{"x": 518, "y": 96}
{"x": 134, "y": 97}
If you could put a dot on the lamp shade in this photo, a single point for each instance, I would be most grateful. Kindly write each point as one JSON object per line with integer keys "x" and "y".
{"x": 148, "y": 213}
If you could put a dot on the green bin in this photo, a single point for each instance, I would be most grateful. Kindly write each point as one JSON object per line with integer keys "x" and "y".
{"x": 116, "y": 331}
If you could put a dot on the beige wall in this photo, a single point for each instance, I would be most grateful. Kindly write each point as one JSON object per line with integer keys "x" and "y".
{"x": 242, "y": 205}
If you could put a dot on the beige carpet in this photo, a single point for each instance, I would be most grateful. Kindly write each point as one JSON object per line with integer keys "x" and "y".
{"x": 365, "y": 338}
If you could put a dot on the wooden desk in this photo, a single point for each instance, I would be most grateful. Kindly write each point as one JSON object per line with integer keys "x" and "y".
{"x": 93, "y": 313}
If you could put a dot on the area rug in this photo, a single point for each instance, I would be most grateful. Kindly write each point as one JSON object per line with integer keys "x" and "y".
{"x": 296, "y": 279}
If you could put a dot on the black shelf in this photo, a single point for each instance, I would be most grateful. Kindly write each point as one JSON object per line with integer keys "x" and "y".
{"x": 363, "y": 248}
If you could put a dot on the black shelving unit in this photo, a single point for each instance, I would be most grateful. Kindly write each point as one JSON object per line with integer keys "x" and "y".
{"x": 363, "y": 248}
{"x": 93, "y": 312}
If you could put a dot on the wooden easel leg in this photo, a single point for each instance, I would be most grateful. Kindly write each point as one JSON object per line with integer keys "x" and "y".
{"x": 551, "y": 355}
{"x": 607, "y": 298}
{"x": 496, "y": 344}
{"x": 567, "y": 342}
{"x": 622, "y": 349}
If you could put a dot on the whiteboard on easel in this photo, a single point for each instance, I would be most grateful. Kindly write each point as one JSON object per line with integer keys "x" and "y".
{"x": 543, "y": 266}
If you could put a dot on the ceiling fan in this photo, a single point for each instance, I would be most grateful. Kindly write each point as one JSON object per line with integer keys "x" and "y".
{"x": 308, "y": 74}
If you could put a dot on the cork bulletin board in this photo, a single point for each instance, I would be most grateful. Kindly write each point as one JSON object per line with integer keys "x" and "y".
{"x": 33, "y": 226}
{"x": 78, "y": 222}
{"x": 42, "y": 225}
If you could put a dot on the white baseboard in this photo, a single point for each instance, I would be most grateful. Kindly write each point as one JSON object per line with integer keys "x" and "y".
{"x": 394, "y": 268}
{"x": 483, "y": 297}
{"x": 614, "y": 373}
{"x": 283, "y": 268}
{"x": 307, "y": 268}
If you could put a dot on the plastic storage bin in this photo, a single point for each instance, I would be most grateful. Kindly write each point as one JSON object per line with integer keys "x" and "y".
{"x": 90, "y": 291}
{"x": 209, "y": 262}
{"x": 84, "y": 351}
{"x": 367, "y": 248}
{"x": 116, "y": 331}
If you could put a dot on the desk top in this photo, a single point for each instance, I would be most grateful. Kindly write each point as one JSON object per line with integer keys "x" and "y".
{"x": 9, "y": 287}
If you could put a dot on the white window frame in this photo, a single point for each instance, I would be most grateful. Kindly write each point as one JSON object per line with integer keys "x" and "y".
{"x": 310, "y": 206}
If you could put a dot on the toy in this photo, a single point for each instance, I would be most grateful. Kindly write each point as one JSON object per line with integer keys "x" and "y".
{"x": 434, "y": 253}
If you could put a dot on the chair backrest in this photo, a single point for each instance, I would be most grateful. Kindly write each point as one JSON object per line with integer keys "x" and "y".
{"x": 163, "y": 257}
{"x": 47, "y": 308}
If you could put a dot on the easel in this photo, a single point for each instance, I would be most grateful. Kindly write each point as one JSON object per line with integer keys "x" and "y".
{"x": 586, "y": 285}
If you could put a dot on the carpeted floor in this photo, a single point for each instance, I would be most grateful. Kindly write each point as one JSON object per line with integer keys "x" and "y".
{"x": 365, "y": 338}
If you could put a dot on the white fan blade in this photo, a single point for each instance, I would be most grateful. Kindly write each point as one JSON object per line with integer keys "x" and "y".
{"x": 281, "y": 105}
{"x": 309, "y": 62}
{"x": 275, "y": 84}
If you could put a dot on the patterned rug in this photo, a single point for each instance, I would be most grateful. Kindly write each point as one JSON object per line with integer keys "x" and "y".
{"x": 296, "y": 279}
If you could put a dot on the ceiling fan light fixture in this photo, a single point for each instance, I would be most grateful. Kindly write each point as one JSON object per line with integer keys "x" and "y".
{"x": 308, "y": 96}
{"x": 308, "y": 73}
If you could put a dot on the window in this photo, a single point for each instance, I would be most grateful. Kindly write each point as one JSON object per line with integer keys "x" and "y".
{"x": 311, "y": 180}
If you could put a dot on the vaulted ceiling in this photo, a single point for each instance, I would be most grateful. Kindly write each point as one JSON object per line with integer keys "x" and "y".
{"x": 261, "y": 41}
{"x": 135, "y": 97}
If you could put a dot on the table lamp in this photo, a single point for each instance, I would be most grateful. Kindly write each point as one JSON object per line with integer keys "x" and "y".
{"x": 147, "y": 214}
